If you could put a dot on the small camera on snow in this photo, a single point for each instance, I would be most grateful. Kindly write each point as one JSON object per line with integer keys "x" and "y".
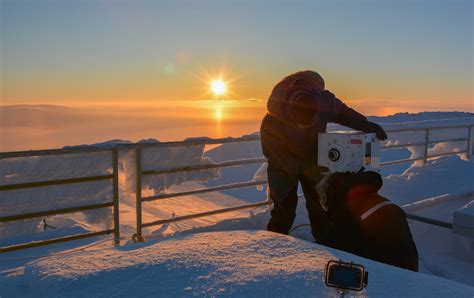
{"x": 343, "y": 151}
{"x": 346, "y": 276}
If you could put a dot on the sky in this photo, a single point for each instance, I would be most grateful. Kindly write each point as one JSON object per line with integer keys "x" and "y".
{"x": 151, "y": 51}
{"x": 380, "y": 57}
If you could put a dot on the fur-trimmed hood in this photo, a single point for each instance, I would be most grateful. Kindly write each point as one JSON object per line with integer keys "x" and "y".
{"x": 278, "y": 104}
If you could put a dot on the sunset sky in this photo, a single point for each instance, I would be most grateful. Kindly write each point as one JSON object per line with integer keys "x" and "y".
{"x": 378, "y": 55}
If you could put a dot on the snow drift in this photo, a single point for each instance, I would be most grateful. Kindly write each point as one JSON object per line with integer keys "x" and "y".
{"x": 238, "y": 263}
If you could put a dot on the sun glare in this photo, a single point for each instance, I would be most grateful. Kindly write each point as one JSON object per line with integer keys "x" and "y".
{"x": 218, "y": 87}
{"x": 218, "y": 114}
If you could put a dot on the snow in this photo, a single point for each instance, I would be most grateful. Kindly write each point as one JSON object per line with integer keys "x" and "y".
{"x": 418, "y": 123}
{"x": 237, "y": 263}
{"x": 445, "y": 175}
{"x": 435, "y": 190}
{"x": 163, "y": 158}
{"x": 29, "y": 169}
{"x": 463, "y": 220}
{"x": 442, "y": 252}
{"x": 422, "y": 116}
{"x": 468, "y": 209}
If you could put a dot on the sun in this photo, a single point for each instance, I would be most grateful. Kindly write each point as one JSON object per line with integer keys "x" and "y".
{"x": 218, "y": 87}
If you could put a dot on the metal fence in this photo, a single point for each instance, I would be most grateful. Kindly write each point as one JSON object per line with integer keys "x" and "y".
{"x": 427, "y": 143}
{"x": 114, "y": 203}
{"x": 138, "y": 236}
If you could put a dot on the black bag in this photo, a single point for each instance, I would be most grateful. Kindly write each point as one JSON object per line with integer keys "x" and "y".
{"x": 365, "y": 223}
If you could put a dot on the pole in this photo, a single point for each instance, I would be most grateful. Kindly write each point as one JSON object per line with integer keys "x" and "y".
{"x": 427, "y": 140}
{"x": 469, "y": 143}
{"x": 116, "y": 197}
{"x": 138, "y": 237}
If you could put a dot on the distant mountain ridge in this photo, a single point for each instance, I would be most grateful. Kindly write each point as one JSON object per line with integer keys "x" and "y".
{"x": 36, "y": 107}
{"x": 422, "y": 116}
{"x": 43, "y": 126}
{"x": 38, "y": 115}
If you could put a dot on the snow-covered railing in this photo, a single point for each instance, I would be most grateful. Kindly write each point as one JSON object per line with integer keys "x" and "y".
{"x": 138, "y": 236}
{"x": 427, "y": 131}
{"x": 431, "y": 202}
{"x": 51, "y": 212}
{"x": 138, "y": 147}
{"x": 139, "y": 173}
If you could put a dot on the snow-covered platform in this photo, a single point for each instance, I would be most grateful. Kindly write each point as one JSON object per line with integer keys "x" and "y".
{"x": 237, "y": 263}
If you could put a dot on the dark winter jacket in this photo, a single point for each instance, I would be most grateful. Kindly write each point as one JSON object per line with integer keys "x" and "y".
{"x": 366, "y": 224}
{"x": 292, "y": 148}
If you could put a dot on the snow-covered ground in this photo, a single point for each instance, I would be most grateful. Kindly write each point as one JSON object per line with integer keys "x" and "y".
{"x": 236, "y": 263}
{"x": 442, "y": 253}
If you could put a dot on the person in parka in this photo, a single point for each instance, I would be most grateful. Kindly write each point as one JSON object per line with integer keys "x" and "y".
{"x": 298, "y": 109}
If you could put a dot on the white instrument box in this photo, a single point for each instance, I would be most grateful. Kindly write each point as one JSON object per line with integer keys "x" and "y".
{"x": 343, "y": 151}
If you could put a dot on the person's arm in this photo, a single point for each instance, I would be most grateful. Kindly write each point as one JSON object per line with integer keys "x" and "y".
{"x": 340, "y": 113}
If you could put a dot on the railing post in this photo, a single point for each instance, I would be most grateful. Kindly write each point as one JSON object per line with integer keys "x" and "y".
{"x": 116, "y": 197}
{"x": 138, "y": 237}
{"x": 469, "y": 143}
{"x": 427, "y": 141}
{"x": 268, "y": 198}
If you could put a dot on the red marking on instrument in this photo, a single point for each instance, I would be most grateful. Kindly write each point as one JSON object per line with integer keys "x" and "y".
{"x": 356, "y": 141}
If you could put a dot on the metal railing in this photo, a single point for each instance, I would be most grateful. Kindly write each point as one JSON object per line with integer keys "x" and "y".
{"x": 427, "y": 142}
{"x": 114, "y": 203}
{"x": 138, "y": 236}
{"x": 139, "y": 200}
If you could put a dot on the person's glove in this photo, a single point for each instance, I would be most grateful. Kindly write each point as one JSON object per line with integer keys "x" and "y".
{"x": 379, "y": 132}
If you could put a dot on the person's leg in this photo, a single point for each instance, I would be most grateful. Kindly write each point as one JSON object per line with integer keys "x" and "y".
{"x": 283, "y": 192}
{"x": 317, "y": 216}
